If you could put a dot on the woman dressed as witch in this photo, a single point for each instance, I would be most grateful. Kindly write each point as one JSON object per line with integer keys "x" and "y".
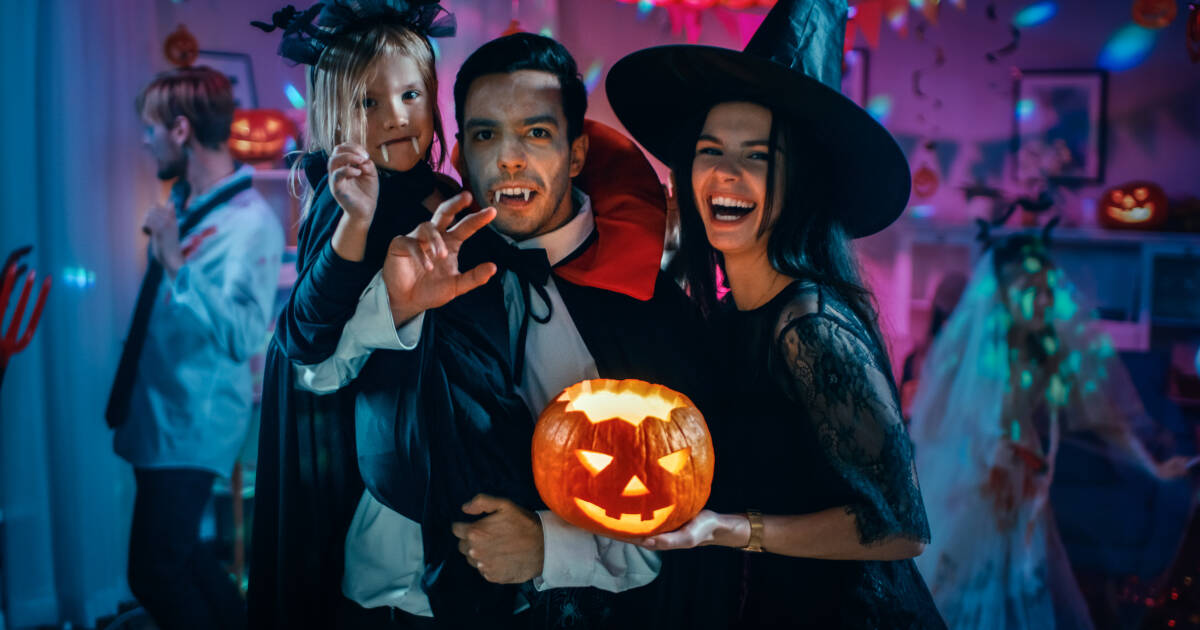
{"x": 1018, "y": 367}
{"x": 777, "y": 171}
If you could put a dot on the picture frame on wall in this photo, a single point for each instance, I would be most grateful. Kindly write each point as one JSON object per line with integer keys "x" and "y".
{"x": 236, "y": 66}
{"x": 1059, "y": 125}
{"x": 854, "y": 75}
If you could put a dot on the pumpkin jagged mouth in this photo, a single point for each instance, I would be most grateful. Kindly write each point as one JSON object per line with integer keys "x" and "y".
{"x": 1136, "y": 214}
{"x": 628, "y": 523}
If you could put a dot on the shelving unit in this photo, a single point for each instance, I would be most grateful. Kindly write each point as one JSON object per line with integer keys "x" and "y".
{"x": 1139, "y": 281}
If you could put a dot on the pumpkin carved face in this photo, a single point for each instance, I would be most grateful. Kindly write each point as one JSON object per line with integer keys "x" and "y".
{"x": 259, "y": 134}
{"x": 1154, "y": 14}
{"x": 1136, "y": 205}
{"x": 623, "y": 458}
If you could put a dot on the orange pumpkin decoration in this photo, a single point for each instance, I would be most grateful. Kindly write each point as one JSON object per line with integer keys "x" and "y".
{"x": 1133, "y": 206}
{"x": 925, "y": 182}
{"x": 259, "y": 135}
{"x": 1154, "y": 13}
{"x": 181, "y": 48}
{"x": 623, "y": 458}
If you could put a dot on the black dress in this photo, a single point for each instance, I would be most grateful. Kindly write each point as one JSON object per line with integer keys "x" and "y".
{"x": 809, "y": 419}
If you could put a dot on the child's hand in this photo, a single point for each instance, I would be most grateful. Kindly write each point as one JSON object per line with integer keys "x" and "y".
{"x": 354, "y": 182}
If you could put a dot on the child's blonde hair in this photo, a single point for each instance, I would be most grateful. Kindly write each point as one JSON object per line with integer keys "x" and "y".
{"x": 338, "y": 84}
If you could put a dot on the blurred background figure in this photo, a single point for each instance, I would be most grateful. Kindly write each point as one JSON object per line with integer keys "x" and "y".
{"x": 1017, "y": 368}
{"x": 181, "y": 400}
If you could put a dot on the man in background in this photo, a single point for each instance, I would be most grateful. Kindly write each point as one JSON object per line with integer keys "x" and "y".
{"x": 181, "y": 400}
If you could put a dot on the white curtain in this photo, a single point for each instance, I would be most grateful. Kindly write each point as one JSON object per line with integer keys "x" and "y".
{"x": 73, "y": 183}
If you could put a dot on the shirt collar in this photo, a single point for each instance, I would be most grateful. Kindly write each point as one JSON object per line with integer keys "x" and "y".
{"x": 243, "y": 172}
{"x": 562, "y": 242}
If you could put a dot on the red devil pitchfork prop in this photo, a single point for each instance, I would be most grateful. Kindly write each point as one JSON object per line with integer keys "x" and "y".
{"x": 12, "y": 343}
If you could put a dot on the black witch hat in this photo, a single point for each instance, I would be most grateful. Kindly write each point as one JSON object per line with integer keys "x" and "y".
{"x": 792, "y": 65}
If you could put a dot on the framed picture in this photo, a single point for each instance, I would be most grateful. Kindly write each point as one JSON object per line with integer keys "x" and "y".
{"x": 237, "y": 67}
{"x": 854, "y": 75}
{"x": 1059, "y": 120}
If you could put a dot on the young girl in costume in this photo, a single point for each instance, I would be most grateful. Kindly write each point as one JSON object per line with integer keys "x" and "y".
{"x": 374, "y": 138}
{"x": 776, "y": 172}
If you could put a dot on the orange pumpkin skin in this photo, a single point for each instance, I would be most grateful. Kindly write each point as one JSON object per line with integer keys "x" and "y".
{"x": 259, "y": 134}
{"x": 1134, "y": 206}
{"x": 623, "y": 458}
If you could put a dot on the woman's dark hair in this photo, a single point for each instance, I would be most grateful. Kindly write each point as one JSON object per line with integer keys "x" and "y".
{"x": 526, "y": 51}
{"x": 806, "y": 241}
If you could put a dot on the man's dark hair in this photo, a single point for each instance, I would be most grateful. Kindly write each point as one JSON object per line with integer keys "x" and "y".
{"x": 525, "y": 51}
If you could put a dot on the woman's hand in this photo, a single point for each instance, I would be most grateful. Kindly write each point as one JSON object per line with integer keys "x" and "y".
{"x": 707, "y": 528}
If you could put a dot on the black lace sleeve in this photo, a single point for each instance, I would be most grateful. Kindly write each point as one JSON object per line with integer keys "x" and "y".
{"x": 835, "y": 375}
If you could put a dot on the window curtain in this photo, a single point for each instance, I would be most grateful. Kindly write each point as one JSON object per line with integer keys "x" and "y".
{"x": 74, "y": 183}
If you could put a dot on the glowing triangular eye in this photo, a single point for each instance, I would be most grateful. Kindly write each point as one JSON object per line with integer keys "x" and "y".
{"x": 594, "y": 461}
{"x": 674, "y": 462}
{"x": 634, "y": 488}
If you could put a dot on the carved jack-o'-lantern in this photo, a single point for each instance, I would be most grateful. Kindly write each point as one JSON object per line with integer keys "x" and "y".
{"x": 181, "y": 48}
{"x": 1154, "y": 13}
{"x": 259, "y": 134}
{"x": 623, "y": 458}
{"x": 925, "y": 182}
{"x": 1133, "y": 206}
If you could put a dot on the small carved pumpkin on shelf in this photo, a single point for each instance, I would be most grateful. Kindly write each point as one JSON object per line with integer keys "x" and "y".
{"x": 623, "y": 458}
{"x": 1154, "y": 14}
{"x": 259, "y": 135}
{"x": 1137, "y": 205}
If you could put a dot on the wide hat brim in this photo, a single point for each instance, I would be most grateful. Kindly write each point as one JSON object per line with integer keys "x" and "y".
{"x": 660, "y": 93}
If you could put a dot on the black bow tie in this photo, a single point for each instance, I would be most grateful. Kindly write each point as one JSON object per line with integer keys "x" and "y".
{"x": 532, "y": 268}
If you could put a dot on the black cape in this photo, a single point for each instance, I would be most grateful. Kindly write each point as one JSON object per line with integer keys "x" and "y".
{"x": 308, "y": 483}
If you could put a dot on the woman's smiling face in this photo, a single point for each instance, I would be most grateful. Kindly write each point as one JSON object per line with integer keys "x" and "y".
{"x": 729, "y": 176}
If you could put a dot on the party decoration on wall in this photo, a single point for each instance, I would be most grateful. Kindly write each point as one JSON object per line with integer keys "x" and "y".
{"x": 181, "y": 48}
{"x": 1127, "y": 48}
{"x": 14, "y": 341}
{"x": 1011, "y": 46}
{"x": 925, "y": 182}
{"x": 939, "y": 60}
{"x": 259, "y": 135}
{"x": 1139, "y": 205}
{"x": 1154, "y": 13}
{"x": 513, "y": 28}
{"x": 623, "y": 457}
{"x": 1193, "y": 32}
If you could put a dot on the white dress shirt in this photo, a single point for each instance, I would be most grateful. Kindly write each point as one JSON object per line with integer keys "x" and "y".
{"x": 384, "y": 552}
{"x": 191, "y": 400}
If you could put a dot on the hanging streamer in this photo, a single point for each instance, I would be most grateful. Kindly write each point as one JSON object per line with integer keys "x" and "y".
{"x": 1008, "y": 48}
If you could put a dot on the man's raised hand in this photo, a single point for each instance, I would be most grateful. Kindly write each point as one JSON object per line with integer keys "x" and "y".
{"x": 421, "y": 269}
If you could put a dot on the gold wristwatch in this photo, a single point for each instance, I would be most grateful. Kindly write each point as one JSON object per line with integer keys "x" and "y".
{"x": 756, "y": 531}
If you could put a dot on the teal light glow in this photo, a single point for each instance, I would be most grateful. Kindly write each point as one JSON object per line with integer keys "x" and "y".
{"x": 919, "y": 4}
{"x": 1025, "y": 108}
{"x": 592, "y": 78}
{"x": 546, "y": 32}
{"x": 880, "y": 107}
{"x": 1035, "y": 14}
{"x": 1057, "y": 392}
{"x": 644, "y": 8}
{"x": 78, "y": 277}
{"x": 1127, "y": 48}
{"x": 923, "y": 211}
{"x": 1026, "y": 379}
{"x": 1014, "y": 431}
{"x": 293, "y": 96}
